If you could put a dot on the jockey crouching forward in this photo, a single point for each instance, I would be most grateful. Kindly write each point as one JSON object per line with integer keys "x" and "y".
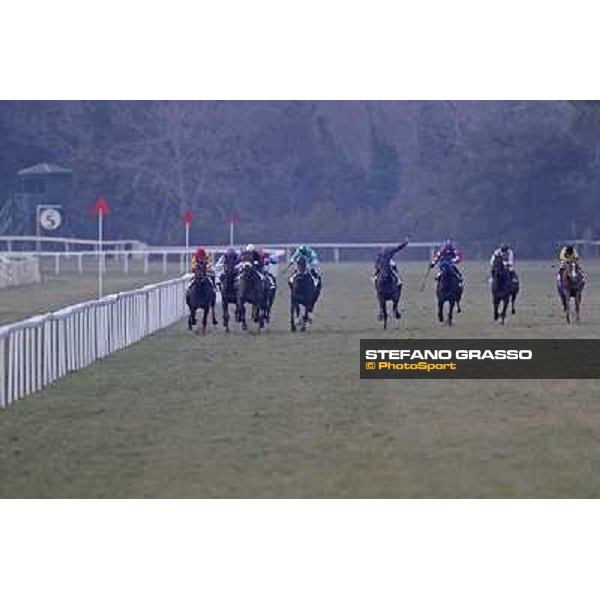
{"x": 269, "y": 260}
{"x": 251, "y": 255}
{"x": 385, "y": 257}
{"x": 508, "y": 258}
{"x": 312, "y": 262}
{"x": 202, "y": 265}
{"x": 230, "y": 258}
{"x": 447, "y": 255}
{"x": 568, "y": 255}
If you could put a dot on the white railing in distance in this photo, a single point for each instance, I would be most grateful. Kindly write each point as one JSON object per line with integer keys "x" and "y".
{"x": 39, "y": 350}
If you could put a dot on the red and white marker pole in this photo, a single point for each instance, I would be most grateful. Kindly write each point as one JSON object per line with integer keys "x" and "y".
{"x": 233, "y": 220}
{"x": 187, "y": 221}
{"x": 101, "y": 208}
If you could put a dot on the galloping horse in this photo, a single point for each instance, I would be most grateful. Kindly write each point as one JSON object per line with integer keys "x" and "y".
{"x": 570, "y": 284}
{"x": 201, "y": 294}
{"x": 449, "y": 289}
{"x": 505, "y": 287}
{"x": 229, "y": 285}
{"x": 251, "y": 290}
{"x": 305, "y": 292}
{"x": 388, "y": 289}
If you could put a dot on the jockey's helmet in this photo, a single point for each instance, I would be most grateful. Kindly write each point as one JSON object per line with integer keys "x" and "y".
{"x": 303, "y": 249}
{"x": 250, "y": 248}
{"x": 569, "y": 250}
{"x": 230, "y": 252}
{"x": 448, "y": 243}
{"x": 504, "y": 247}
{"x": 200, "y": 252}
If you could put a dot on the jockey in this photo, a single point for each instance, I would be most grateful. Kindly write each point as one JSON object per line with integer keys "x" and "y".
{"x": 387, "y": 256}
{"x": 202, "y": 260}
{"x": 312, "y": 260}
{"x": 231, "y": 255}
{"x": 447, "y": 254}
{"x": 201, "y": 256}
{"x": 268, "y": 260}
{"x": 568, "y": 254}
{"x": 253, "y": 256}
{"x": 508, "y": 257}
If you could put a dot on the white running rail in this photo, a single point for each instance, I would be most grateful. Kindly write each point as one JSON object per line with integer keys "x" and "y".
{"x": 39, "y": 350}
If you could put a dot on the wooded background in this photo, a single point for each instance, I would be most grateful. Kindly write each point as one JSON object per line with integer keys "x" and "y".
{"x": 527, "y": 172}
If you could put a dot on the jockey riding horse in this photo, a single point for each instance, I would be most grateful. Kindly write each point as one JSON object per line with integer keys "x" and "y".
{"x": 388, "y": 284}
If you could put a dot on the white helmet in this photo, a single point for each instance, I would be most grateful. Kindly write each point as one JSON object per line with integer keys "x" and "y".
{"x": 250, "y": 248}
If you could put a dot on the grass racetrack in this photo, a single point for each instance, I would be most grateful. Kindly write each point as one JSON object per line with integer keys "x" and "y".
{"x": 286, "y": 415}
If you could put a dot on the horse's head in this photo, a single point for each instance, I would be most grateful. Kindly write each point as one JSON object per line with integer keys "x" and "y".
{"x": 301, "y": 264}
{"x": 573, "y": 275}
{"x": 498, "y": 266}
{"x": 445, "y": 269}
{"x": 200, "y": 270}
{"x": 229, "y": 263}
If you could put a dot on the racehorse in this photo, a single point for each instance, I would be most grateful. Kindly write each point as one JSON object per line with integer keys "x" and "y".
{"x": 305, "y": 292}
{"x": 570, "y": 284}
{"x": 229, "y": 286}
{"x": 270, "y": 291}
{"x": 449, "y": 289}
{"x": 505, "y": 287}
{"x": 251, "y": 290}
{"x": 388, "y": 289}
{"x": 201, "y": 294}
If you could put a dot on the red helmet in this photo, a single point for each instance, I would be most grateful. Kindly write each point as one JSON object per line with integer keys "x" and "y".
{"x": 200, "y": 252}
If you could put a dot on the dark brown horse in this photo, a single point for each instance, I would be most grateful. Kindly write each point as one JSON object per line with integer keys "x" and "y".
{"x": 229, "y": 286}
{"x": 505, "y": 287}
{"x": 449, "y": 289}
{"x": 201, "y": 295}
{"x": 304, "y": 292}
{"x": 388, "y": 288}
{"x": 252, "y": 290}
{"x": 570, "y": 284}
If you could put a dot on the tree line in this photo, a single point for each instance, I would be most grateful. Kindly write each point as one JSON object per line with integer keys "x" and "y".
{"x": 527, "y": 172}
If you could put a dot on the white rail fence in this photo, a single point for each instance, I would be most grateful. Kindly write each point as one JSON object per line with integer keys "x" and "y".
{"x": 182, "y": 255}
{"x": 39, "y": 350}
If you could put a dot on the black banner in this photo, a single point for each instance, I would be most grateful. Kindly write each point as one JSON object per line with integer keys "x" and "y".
{"x": 479, "y": 359}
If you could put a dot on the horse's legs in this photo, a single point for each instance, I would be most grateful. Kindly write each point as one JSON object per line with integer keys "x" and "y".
{"x": 305, "y": 319}
{"x": 566, "y": 302}
{"x": 225, "y": 306}
{"x": 205, "y": 312}
{"x": 504, "y": 308}
{"x": 382, "y": 310}
{"x": 397, "y": 312}
{"x": 441, "y": 311}
{"x": 450, "y": 310}
{"x": 294, "y": 308}
{"x": 496, "y": 302}
{"x": 577, "y": 305}
{"x": 513, "y": 297}
{"x": 214, "y": 319}
{"x": 242, "y": 312}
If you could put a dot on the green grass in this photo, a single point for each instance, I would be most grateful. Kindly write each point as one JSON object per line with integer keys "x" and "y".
{"x": 283, "y": 415}
{"x": 68, "y": 287}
